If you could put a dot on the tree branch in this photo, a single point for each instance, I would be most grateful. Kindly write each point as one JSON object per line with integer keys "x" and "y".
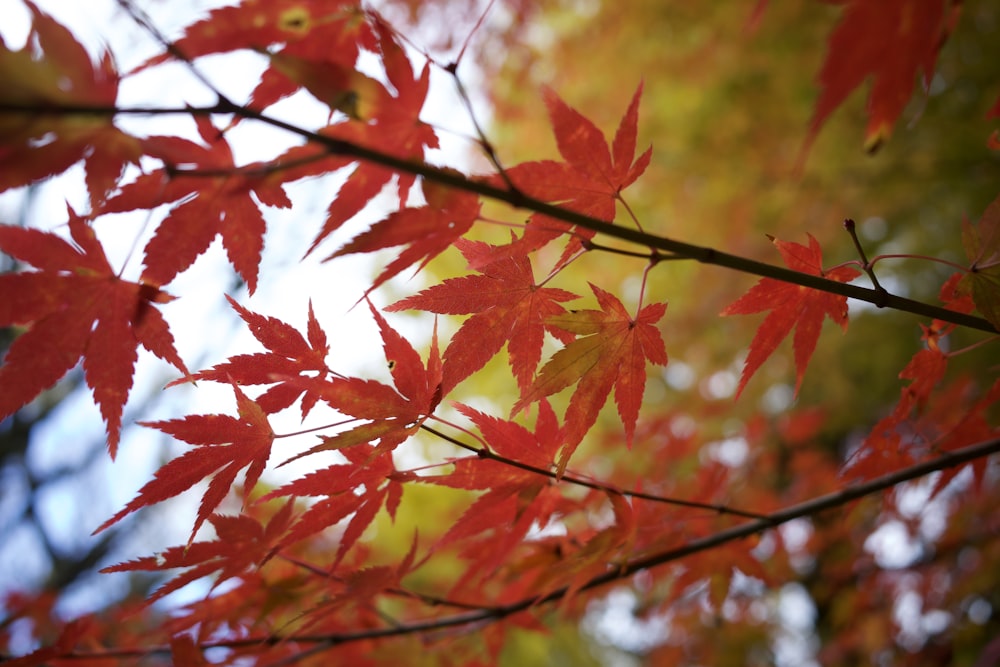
{"x": 484, "y": 453}
{"x": 493, "y": 614}
{"x": 517, "y": 199}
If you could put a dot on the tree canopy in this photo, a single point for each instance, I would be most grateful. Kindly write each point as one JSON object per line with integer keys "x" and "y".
{"x": 608, "y": 421}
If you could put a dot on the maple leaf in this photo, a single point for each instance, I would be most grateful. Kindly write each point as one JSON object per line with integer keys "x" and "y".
{"x": 215, "y": 203}
{"x": 792, "y": 307}
{"x": 972, "y": 426}
{"x": 289, "y": 357}
{"x": 258, "y": 23}
{"x": 53, "y": 70}
{"x": 982, "y": 247}
{"x": 338, "y": 485}
{"x": 224, "y": 445}
{"x": 359, "y": 587}
{"x": 889, "y": 41}
{"x": 602, "y": 550}
{"x": 310, "y": 31}
{"x": 391, "y": 415}
{"x": 426, "y": 230}
{"x": 507, "y": 306}
{"x": 394, "y": 127}
{"x": 885, "y": 448}
{"x": 76, "y": 306}
{"x": 320, "y": 44}
{"x": 611, "y": 353}
{"x": 242, "y": 542}
{"x": 592, "y": 177}
{"x": 336, "y": 84}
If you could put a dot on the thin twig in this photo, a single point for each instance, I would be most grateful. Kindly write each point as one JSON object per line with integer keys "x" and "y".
{"x": 865, "y": 264}
{"x": 484, "y": 453}
{"x": 142, "y": 20}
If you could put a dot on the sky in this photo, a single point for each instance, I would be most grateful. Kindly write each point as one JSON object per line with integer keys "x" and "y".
{"x": 205, "y": 328}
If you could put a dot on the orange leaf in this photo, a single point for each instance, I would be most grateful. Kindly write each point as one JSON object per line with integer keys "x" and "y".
{"x": 339, "y": 487}
{"x": 612, "y": 353}
{"x": 506, "y": 306}
{"x": 241, "y": 542}
{"x": 515, "y": 500}
{"x": 393, "y": 414}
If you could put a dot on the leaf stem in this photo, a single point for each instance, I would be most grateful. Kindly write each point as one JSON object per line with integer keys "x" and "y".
{"x": 926, "y": 258}
{"x": 315, "y": 429}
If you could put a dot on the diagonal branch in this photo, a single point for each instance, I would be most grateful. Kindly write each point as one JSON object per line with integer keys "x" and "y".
{"x": 494, "y": 614}
{"x": 570, "y": 478}
{"x": 518, "y": 199}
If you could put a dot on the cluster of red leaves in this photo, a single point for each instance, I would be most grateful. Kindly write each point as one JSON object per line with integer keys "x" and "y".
{"x": 74, "y": 305}
{"x": 930, "y": 415}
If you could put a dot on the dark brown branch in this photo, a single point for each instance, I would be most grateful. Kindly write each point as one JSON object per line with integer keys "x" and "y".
{"x": 484, "y": 453}
{"x": 519, "y": 200}
{"x": 493, "y": 614}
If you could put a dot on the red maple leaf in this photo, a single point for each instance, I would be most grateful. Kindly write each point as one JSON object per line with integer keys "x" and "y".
{"x": 592, "y": 177}
{"x": 307, "y": 28}
{"x": 426, "y": 230}
{"x": 887, "y": 446}
{"x": 390, "y": 414}
{"x": 54, "y": 70}
{"x": 889, "y": 41}
{"x": 611, "y": 353}
{"x": 507, "y": 306}
{"x": 319, "y": 57}
{"x": 927, "y": 367}
{"x": 76, "y": 306}
{"x": 216, "y": 202}
{"x": 318, "y": 44}
{"x": 224, "y": 445}
{"x": 792, "y": 307}
{"x": 602, "y": 550}
{"x": 242, "y": 542}
{"x": 973, "y": 425}
{"x": 357, "y": 489}
{"x": 289, "y": 357}
{"x": 358, "y": 588}
{"x": 392, "y": 126}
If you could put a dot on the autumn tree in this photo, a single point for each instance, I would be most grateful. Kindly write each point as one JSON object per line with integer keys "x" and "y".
{"x": 608, "y": 393}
